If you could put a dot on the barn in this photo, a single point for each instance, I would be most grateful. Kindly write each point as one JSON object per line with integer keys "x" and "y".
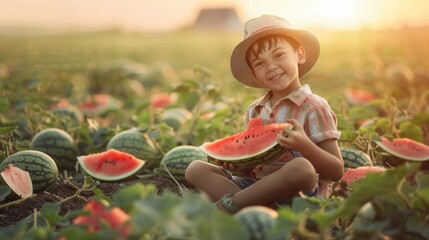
{"x": 219, "y": 19}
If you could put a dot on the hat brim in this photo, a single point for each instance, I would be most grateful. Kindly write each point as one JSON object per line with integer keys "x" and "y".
{"x": 242, "y": 72}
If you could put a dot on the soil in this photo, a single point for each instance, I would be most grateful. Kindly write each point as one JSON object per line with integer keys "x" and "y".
{"x": 14, "y": 213}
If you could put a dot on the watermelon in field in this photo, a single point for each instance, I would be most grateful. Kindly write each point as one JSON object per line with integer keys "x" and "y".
{"x": 257, "y": 221}
{"x": 137, "y": 143}
{"x": 358, "y": 96}
{"x": 176, "y": 117}
{"x": 255, "y": 145}
{"x": 110, "y": 165}
{"x": 58, "y": 144}
{"x": 41, "y": 167}
{"x": 354, "y": 158}
{"x": 176, "y": 160}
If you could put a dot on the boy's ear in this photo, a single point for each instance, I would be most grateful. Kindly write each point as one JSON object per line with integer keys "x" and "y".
{"x": 301, "y": 55}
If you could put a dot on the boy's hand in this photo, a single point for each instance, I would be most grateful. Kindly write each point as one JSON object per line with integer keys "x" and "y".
{"x": 293, "y": 138}
{"x": 227, "y": 166}
{"x": 245, "y": 170}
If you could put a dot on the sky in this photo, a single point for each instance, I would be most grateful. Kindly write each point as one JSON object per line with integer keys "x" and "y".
{"x": 167, "y": 15}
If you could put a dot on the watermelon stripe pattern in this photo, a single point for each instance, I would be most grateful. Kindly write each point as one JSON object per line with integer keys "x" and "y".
{"x": 354, "y": 158}
{"x": 41, "y": 167}
{"x": 263, "y": 157}
{"x": 137, "y": 144}
{"x": 58, "y": 144}
{"x": 177, "y": 160}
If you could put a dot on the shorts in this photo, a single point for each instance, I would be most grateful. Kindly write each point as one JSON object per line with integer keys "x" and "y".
{"x": 244, "y": 182}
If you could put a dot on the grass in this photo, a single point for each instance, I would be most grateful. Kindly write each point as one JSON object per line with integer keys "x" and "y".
{"x": 347, "y": 58}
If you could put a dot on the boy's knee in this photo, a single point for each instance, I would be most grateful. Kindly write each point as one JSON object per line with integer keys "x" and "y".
{"x": 304, "y": 172}
{"x": 194, "y": 168}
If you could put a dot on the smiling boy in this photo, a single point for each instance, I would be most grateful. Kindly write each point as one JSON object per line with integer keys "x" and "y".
{"x": 275, "y": 56}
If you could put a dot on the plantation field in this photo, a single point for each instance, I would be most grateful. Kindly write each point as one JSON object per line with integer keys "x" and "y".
{"x": 377, "y": 82}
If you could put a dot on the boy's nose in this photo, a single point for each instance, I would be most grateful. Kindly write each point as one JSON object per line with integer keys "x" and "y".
{"x": 272, "y": 66}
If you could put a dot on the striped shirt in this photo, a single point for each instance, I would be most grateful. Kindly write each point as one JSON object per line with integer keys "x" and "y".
{"x": 312, "y": 111}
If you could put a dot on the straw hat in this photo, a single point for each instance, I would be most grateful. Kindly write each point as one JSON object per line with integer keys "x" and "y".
{"x": 271, "y": 25}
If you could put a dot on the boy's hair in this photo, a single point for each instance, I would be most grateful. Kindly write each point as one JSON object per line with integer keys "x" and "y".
{"x": 266, "y": 43}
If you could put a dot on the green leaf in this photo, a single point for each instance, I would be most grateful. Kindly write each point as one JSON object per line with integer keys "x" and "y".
{"x": 7, "y": 129}
{"x": 126, "y": 197}
{"x": 421, "y": 118}
{"x": 410, "y": 130}
{"x": 349, "y": 136}
{"x": 100, "y": 194}
{"x": 75, "y": 232}
{"x": 286, "y": 224}
{"x": 422, "y": 180}
{"x": 345, "y": 124}
{"x": 4, "y": 192}
{"x": 50, "y": 211}
{"x": 373, "y": 185}
{"x": 360, "y": 113}
{"x": 300, "y": 204}
{"x": 4, "y": 104}
{"x": 384, "y": 124}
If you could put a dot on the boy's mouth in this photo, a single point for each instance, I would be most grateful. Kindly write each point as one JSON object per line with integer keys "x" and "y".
{"x": 275, "y": 77}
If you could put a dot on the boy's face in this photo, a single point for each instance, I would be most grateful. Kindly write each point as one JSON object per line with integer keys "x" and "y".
{"x": 276, "y": 67}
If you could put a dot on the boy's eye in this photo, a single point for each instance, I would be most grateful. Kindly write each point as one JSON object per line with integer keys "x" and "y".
{"x": 280, "y": 54}
{"x": 256, "y": 64}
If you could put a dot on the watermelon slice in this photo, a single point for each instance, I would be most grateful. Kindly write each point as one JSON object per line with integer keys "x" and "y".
{"x": 357, "y": 96}
{"x": 255, "y": 145}
{"x": 110, "y": 165}
{"x": 18, "y": 180}
{"x": 354, "y": 174}
{"x": 405, "y": 148}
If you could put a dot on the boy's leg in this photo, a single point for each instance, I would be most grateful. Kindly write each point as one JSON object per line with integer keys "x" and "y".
{"x": 209, "y": 179}
{"x": 296, "y": 175}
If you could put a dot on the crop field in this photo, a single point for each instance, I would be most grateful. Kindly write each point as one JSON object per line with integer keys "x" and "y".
{"x": 177, "y": 89}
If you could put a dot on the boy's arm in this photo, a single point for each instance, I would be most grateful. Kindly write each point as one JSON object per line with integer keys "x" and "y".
{"x": 325, "y": 156}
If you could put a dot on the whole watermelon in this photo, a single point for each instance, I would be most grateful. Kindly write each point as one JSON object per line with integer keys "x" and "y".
{"x": 354, "y": 158}
{"x": 41, "y": 167}
{"x": 177, "y": 160}
{"x": 258, "y": 221}
{"x": 58, "y": 144}
{"x": 138, "y": 144}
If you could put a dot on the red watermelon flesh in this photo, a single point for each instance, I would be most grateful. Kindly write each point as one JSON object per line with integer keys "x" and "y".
{"x": 101, "y": 215}
{"x": 110, "y": 165}
{"x": 251, "y": 142}
{"x": 405, "y": 148}
{"x": 353, "y": 174}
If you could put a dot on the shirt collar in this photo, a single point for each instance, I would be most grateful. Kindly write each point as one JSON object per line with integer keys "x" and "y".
{"x": 298, "y": 96}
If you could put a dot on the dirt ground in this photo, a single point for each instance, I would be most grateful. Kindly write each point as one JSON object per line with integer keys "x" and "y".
{"x": 13, "y": 214}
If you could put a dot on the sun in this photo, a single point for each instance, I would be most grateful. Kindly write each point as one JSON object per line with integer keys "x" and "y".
{"x": 343, "y": 14}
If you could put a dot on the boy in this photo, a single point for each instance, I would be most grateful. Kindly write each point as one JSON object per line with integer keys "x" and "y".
{"x": 275, "y": 56}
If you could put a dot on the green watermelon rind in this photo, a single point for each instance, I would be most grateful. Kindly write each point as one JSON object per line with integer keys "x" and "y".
{"x": 354, "y": 158}
{"x": 258, "y": 221}
{"x": 58, "y": 144}
{"x": 138, "y": 144}
{"x": 387, "y": 145}
{"x": 264, "y": 153}
{"x": 267, "y": 154}
{"x": 42, "y": 168}
{"x": 177, "y": 159}
{"x": 81, "y": 160}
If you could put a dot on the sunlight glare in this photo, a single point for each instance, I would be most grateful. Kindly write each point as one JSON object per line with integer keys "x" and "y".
{"x": 338, "y": 14}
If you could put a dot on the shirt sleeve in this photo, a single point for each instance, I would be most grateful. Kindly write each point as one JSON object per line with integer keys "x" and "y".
{"x": 322, "y": 125}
